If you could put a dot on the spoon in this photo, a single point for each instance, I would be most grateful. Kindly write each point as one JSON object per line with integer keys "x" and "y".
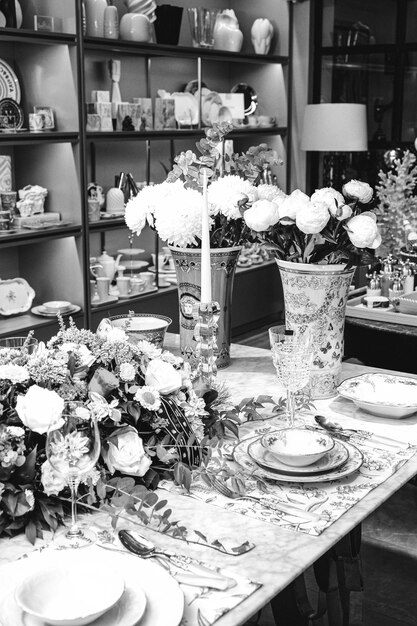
{"x": 194, "y": 573}
{"x": 344, "y": 433}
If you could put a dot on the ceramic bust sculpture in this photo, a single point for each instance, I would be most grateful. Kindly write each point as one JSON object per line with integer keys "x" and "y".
{"x": 227, "y": 35}
{"x": 261, "y": 34}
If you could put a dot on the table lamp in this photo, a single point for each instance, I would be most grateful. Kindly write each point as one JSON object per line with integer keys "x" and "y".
{"x": 335, "y": 129}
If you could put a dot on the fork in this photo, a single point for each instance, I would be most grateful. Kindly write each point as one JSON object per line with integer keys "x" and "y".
{"x": 271, "y": 503}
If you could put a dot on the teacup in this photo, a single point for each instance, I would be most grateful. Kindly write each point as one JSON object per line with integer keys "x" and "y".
{"x": 123, "y": 285}
{"x": 149, "y": 280}
{"x": 162, "y": 260}
{"x": 137, "y": 285}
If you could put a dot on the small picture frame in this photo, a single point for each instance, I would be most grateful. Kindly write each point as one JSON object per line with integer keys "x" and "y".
{"x": 44, "y": 22}
{"x": 47, "y": 114}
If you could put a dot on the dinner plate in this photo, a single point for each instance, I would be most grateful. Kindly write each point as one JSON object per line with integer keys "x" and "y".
{"x": 11, "y": 115}
{"x": 330, "y": 461}
{"x": 40, "y": 310}
{"x": 16, "y": 296}
{"x": 147, "y": 585}
{"x": 9, "y": 84}
{"x": 384, "y": 395}
{"x": 242, "y": 457}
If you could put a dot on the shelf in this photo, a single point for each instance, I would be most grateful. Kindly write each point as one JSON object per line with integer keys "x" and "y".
{"x": 106, "y": 225}
{"x": 21, "y": 35}
{"x": 168, "y": 134}
{"x": 25, "y": 237}
{"x": 150, "y": 50}
{"x": 27, "y": 137}
{"x": 22, "y": 324}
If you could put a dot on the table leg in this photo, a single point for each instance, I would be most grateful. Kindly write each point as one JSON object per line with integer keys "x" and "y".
{"x": 292, "y": 606}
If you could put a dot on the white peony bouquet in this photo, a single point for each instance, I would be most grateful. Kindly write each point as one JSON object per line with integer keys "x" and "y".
{"x": 174, "y": 207}
{"x": 328, "y": 227}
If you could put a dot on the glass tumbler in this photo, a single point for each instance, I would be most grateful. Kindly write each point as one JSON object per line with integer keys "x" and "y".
{"x": 202, "y": 23}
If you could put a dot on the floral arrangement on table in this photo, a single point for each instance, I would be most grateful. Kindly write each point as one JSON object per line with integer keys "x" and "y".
{"x": 398, "y": 203}
{"x": 328, "y": 227}
{"x": 133, "y": 390}
{"x": 174, "y": 208}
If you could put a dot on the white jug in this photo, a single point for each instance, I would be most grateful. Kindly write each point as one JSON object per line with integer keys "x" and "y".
{"x": 109, "y": 264}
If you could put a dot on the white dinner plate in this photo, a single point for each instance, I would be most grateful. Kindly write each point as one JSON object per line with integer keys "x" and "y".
{"x": 330, "y": 461}
{"x": 40, "y": 310}
{"x": 241, "y": 456}
{"x": 146, "y": 585}
{"x": 384, "y": 395}
{"x": 9, "y": 84}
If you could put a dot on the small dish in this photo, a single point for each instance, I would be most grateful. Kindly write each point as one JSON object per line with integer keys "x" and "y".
{"x": 385, "y": 395}
{"x": 48, "y": 594}
{"x": 57, "y": 306}
{"x": 328, "y": 462}
{"x": 297, "y": 447}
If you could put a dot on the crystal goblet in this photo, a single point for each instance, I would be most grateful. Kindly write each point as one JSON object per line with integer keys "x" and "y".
{"x": 291, "y": 355}
{"x": 73, "y": 448}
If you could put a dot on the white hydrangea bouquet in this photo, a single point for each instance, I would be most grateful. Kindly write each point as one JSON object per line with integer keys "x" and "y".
{"x": 174, "y": 208}
{"x": 139, "y": 395}
{"x": 328, "y": 227}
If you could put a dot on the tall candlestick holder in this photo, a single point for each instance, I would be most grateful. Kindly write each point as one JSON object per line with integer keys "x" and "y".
{"x": 205, "y": 333}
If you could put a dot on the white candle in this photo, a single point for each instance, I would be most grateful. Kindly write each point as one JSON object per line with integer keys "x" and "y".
{"x": 205, "y": 247}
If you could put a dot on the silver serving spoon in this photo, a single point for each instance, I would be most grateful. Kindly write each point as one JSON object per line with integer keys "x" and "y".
{"x": 193, "y": 572}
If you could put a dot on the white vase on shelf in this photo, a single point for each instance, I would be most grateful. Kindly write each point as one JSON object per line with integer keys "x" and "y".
{"x": 111, "y": 22}
{"x": 261, "y": 34}
{"x": 94, "y": 14}
{"x": 227, "y": 35}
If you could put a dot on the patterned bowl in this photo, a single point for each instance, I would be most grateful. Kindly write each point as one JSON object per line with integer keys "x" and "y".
{"x": 143, "y": 326}
{"x": 297, "y": 447}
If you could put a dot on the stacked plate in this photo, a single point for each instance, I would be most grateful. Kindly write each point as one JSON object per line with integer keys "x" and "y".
{"x": 55, "y": 307}
{"x": 343, "y": 459}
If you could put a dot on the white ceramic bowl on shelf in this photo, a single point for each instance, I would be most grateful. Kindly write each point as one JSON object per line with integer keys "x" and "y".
{"x": 382, "y": 394}
{"x": 297, "y": 447}
{"x": 57, "y": 306}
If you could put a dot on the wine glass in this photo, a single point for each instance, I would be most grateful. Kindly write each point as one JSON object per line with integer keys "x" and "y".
{"x": 73, "y": 448}
{"x": 291, "y": 355}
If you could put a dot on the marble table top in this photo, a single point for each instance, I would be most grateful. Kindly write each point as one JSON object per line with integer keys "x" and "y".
{"x": 280, "y": 555}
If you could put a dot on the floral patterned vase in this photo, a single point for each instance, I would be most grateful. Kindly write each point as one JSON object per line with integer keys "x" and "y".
{"x": 315, "y": 297}
{"x": 188, "y": 270}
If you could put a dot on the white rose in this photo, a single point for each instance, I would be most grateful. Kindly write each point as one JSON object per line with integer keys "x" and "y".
{"x": 331, "y": 198}
{"x": 108, "y": 332}
{"x": 162, "y": 376}
{"x": 14, "y": 373}
{"x": 358, "y": 190}
{"x": 126, "y": 454}
{"x": 312, "y": 217}
{"x": 261, "y": 215}
{"x": 290, "y": 206}
{"x": 269, "y": 192}
{"x": 363, "y": 231}
{"x": 39, "y": 408}
{"x": 52, "y": 481}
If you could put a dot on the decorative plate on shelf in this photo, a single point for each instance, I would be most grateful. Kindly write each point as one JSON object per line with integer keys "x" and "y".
{"x": 385, "y": 395}
{"x": 16, "y": 296}
{"x": 11, "y": 115}
{"x": 40, "y": 310}
{"x": 9, "y": 83}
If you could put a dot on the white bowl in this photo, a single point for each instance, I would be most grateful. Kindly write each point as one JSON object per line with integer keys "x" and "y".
{"x": 57, "y": 306}
{"x": 297, "y": 447}
{"x": 69, "y": 592}
{"x": 385, "y": 395}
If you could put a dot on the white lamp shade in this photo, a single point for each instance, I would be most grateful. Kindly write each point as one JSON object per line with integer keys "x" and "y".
{"x": 335, "y": 128}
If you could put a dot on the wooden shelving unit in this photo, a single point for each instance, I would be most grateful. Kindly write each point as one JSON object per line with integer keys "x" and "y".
{"x": 60, "y": 69}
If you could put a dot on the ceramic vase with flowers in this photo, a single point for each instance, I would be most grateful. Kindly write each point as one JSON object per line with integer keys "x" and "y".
{"x": 174, "y": 209}
{"x": 317, "y": 242}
